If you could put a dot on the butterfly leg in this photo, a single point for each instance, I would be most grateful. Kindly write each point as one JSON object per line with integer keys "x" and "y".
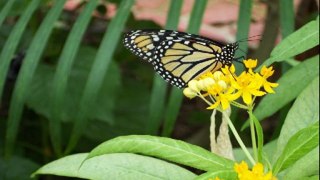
{"x": 239, "y": 59}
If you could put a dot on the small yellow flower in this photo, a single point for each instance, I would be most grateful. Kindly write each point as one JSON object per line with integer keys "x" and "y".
{"x": 267, "y": 86}
{"x": 248, "y": 86}
{"x": 220, "y": 89}
{"x": 257, "y": 172}
{"x": 250, "y": 63}
{"x": 266, "y": 72}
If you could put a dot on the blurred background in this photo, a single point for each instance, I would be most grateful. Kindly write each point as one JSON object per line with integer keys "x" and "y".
{"x": 68, "y": 84}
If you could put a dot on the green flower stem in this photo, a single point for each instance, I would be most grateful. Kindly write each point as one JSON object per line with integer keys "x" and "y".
{"x": 239, "y": 105}
{"x": 253, "y": 137}
{"x": 236, "y": 135}
{"x": 203, "y": 98}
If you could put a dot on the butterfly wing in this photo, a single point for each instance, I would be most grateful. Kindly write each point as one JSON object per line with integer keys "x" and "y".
{"x": 179, "y": 61}
{"x": 177, "y": 56}
{"x": 143, "y": 42}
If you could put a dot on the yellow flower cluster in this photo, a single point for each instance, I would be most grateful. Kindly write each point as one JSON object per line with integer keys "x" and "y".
{"x": 257, "y": 172}
{"x": 224, "y": 87}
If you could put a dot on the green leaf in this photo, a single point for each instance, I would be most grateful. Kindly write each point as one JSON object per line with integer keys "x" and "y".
{"x": 98, "y": 71}
{"x": 306, "y": 166}
{"x": 101, "y": 110}
{"x": 303, "y": 113}
{"x": 17, "y": 168}
{"x": 27, "y": 71}
{"x": 60, "y": 80}
{"x": 243, "y": 24}
{"x": 164, "y": 148}
{"x": 298, "y": 77}
{"x": 316, "y": 177}
{"x": 115, "y": 166}
{"x": 222, "y": 174}
{"x": 129, "y": 120}
{"x": 259, "y": 131}
{"x": 176, "y": 96}
{"x": 159, "y": 87}
{"x": 286, "y": 17}
{"x": 12, "y": 42}
{"x": 296, "y": 43}
{"x": 298, "y": 145}
{"x": 5, "y": 10}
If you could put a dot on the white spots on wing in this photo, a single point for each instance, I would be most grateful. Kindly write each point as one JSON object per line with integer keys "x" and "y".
{"x": 150, "y": 46}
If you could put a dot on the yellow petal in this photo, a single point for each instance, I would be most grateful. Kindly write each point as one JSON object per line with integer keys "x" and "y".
{"x": 258, "y": 168}
{"x": 225, "y": 103}
{"x": 215, "y": 105}
{"x": 232, "y": 97}
{"x": 247, "y": 98}
{"x": 232, "y": 68}
{"x": 268, "y": 88}
{"x": 257, "y": 92}
{"x": 250, "y": 63}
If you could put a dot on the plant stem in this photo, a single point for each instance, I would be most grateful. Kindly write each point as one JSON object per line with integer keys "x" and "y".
{"x": 236, "y": 135}
{"x": 253, "y": 137}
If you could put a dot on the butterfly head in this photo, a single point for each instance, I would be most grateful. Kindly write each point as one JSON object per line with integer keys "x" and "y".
{"x": 227, "y": 52}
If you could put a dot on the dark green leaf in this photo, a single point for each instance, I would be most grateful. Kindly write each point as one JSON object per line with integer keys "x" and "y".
{"x": 17, "y": 168}
{"x": 159, "y": 86}
{"x": 102, "y": 109}
{"x": 176, "y": 96}
{"x": 98, "y": 70}
{"x": 58, "y": 96}
{"x": 27, "y": 71}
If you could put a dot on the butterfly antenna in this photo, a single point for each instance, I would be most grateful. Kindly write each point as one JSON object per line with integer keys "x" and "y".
{"x": 250, "y": 38}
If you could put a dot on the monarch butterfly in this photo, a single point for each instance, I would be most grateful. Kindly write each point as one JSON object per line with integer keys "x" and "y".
{"x": 177, "y": 56}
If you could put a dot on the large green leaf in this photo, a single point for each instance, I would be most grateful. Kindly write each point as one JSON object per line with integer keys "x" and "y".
{"x": 42, "y": 84}
{"x": 306, "y": 166}
{"x": 298, "y": 77}
{"x": 298, "y": 145}
{"x": 115, "y": 166}
{"x": 304, "y": 112}
{"x": 165, "y": 148}
{"x": 296, "y": 43}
